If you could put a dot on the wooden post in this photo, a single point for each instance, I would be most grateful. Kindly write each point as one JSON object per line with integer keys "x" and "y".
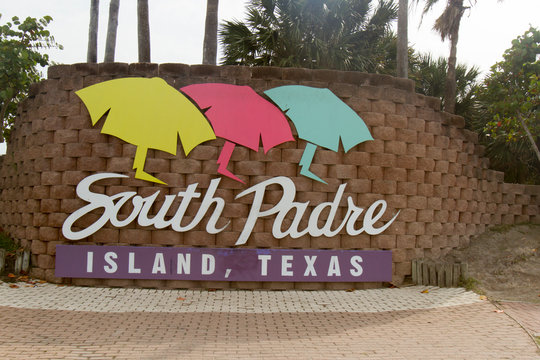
{"x": 440, "y": 275}
{"x": 18, "y": 262}
{"x": 432, "y": 276}
{"x": 414, "y": 273}
{"x": 425, "y": 274}
{"x": 419, "y": 272}
{"x": 448, "y": 275}
{"x": 2, "y": 260}
{"x": 26, "y": 261}
{"x": 455, "y": 275}
{"x": 464, "y": 271}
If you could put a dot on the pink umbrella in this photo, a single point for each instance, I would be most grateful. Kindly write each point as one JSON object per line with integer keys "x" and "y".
{"x": 240, "y": 116}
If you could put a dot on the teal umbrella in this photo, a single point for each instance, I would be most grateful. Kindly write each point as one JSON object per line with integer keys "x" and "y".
{"x": 320, "y": 118}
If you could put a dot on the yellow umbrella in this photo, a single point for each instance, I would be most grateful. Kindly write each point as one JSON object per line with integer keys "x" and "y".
{"x": 147, "y": 113}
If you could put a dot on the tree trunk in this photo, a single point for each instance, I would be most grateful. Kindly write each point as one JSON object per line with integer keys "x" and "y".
{"x": 402, "y": 42}
{"x": 210, "y": 33}
{"x": 110, "y": 45}
{"x": 3, "y": 113}
{"x": 91, "y": 55}
{"x": 529, "y": 135}
{"x": 143, "y": 27}
{"x": 450, "y": 83}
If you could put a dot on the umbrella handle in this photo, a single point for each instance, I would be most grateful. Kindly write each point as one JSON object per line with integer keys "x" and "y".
{"x": 305, "y": 162}
{"x": 223, "y": 161}
{"x": 138, "y": 165}
{"x": 140, "y": 157}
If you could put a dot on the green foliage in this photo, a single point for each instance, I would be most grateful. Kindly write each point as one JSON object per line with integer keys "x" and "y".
{"x": 510, "y": 95}
{"x": 470, "y": 284}
{"x": 501, "y": 229}
{"x": 515, "y": 158}
{"x": 329, "y": 34}
{"x": 430, "y": 78}
{"x": 7, "y": 243}
{"x": 513, "y": 87}
{"x": 21, "y": 43}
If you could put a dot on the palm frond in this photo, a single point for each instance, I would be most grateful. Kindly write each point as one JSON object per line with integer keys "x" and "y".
{"x": 336, "y": 34}
{"x": 448, "y": 23}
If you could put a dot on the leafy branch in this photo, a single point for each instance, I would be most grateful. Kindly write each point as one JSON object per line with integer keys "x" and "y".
{"x": 21, "y": 43}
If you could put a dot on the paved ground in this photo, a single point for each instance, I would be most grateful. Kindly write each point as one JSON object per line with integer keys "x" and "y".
{"x": 527, "y": 315}
{"x": 52, "y": 322}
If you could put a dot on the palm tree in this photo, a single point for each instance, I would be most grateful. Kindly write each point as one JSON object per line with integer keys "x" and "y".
{"x": 402, "y": 43}
{"x": 430, "y": 79}
{"x": 91, "y": 55}
{"x": 515, "y": 158}
{"x": 210, "y": 32}
{"x": 110, "y": 45}
{"x": 447, "y": 25}
{"x": 331, "y": 34}
{"x": 143, "y": 27}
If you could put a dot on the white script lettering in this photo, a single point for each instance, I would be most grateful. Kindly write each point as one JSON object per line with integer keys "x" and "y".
{"x": 287, "y": 203}
{"x": 285, "y": 208}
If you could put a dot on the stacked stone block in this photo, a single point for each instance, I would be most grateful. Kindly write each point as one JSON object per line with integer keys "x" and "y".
{"x": 422, "y": 162}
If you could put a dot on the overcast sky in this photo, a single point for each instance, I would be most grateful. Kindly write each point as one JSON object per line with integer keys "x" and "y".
{"x": 177, "y": 27}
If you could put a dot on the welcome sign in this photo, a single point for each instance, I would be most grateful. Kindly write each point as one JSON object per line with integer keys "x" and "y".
{"x": 149, "y": 113}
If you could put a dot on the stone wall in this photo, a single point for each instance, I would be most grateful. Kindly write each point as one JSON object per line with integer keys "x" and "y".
{"x": 422, "y": 162}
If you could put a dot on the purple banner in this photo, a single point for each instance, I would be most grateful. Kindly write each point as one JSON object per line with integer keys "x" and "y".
{"x": 172, "y": 263}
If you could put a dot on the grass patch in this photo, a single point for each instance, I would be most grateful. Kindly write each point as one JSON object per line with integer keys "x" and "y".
{"x": 537, "y": 339}
{"x": 470, "y": 284}
{"x": 501, "y": 229}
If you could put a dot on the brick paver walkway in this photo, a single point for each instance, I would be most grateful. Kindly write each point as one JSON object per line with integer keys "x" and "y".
{"x": 89, "y": 323}
{"x": 527, "y": 314}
